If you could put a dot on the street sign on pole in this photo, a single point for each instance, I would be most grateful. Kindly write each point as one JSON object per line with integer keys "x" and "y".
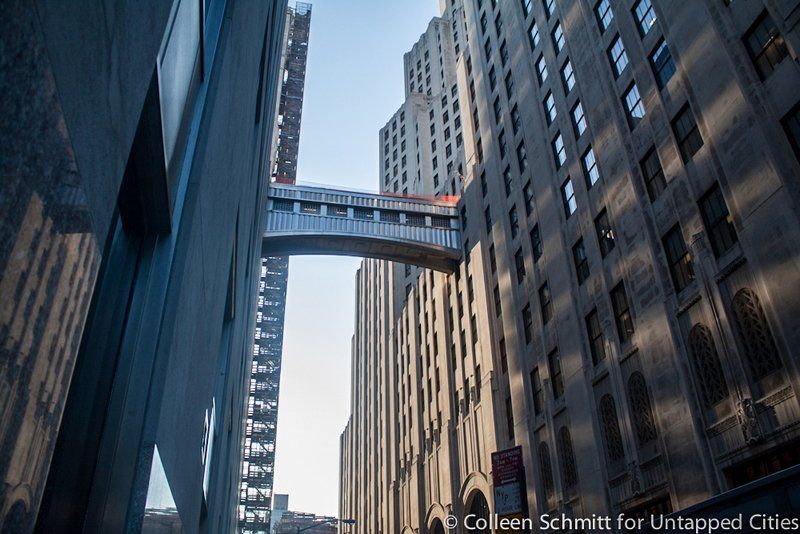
{"x": 508, "y": 479}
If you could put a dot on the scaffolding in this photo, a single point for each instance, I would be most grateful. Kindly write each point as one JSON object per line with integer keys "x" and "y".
{"x": 258, "y": 459}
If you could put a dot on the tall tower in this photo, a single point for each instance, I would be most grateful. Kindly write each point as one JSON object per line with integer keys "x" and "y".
{"x": 258, "y": 463}
{"x": 626, "y": 309}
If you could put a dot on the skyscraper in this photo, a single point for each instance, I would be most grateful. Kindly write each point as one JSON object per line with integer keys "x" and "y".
{"x": 258, "y": 463}
{"x": 626, "y": 310}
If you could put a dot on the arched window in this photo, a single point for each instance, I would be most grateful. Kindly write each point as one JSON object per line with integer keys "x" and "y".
{"x": 480, "y": 509}
{"x": 610, "y": 426}
{"x": 569, "y": 473}
{"x": 436, "y": 527}
{"x": 643, "y": 421}
{"x": 754, "y": 332}
{"x": 544, "y": 468}
{"x": 713, "y": 387}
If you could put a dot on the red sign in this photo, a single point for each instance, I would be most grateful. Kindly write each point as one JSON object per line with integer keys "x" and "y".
{"x": 506, "y": 466}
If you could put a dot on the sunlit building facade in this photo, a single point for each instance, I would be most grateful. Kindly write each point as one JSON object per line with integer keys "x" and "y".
{"x": 627, "y": 307}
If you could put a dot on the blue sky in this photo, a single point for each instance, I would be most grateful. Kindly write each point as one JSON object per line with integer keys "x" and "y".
{"x": 354, "y": 84}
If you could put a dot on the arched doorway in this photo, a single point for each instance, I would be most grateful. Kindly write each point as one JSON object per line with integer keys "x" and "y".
{"x": 437, "y": 527}
{"x": 479, "y": 513}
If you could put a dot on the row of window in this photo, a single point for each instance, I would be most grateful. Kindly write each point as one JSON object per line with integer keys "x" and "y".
{"x": 334, "y": 210}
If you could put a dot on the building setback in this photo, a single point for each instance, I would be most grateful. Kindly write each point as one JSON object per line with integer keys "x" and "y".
{"x": 133, "y": 201}
{"x": 627, "y": 308}
{"x": 258, "y": 461}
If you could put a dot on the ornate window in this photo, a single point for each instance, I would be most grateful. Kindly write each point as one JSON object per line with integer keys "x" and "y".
{"x": 754, "y": 332}
{"x": 544, "y": 469}
{"x": 707, "y": 367}
{"x": 643, "y": 421}
{"x": 567, "y": 458}
{"x": 610, "y": 427}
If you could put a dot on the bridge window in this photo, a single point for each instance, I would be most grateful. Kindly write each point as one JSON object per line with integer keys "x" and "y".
{"x": 438, "y": 221}
{"x": 363, "y": 213}
{"x": 415, "y": 219}
{"x": 390, "y": 216}
{"x": 282, "y": 204}
{"x": 310, "y": 207}
{"x": 337, "y": 211}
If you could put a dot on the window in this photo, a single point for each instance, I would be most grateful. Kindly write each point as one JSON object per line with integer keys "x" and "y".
{"x": 507, "y": 180}
{"x": 653, "y": 174}
{"x": 765, "y": 45}
{"x": 492, "y": 78}
{"x": 502, "y": 144}
{"x": 559, "y": 151}
{"x": 536, "y": 243}
{"x": 686, "y": 133}
{"x": 545, "y": 471}
{"x": 612, "y": 438}
{"x": 567, "y": 77}
{"x": 484, "y": 22}
{"x": 645, "y": 16}
{"x": 791, "y": 125}
{"x": 580, "y": 261}
{"x": 578, "y": 119}
{"x": 548, "y": 7}
{"x": 541, "y": 70}
{"x": 487, "y": 215}
{"x": 556, "y": 378}
{"x": 605, "y": 234}
{"x": 602, "y": 11}
{"x": 678, "y": 258}
{"x": 707, "y": 367}
{"x": 280, "y": 204}
{"x": 492, "y": 259}
{"x": 568, "y": 198}
{"x": 550, "y": 107}
{"x": 718, "y": 222}
{"x": 633, "y": 106}
{"x": 498, "y": 25}
{"x": 569, "y": 473}
{"x": 755, "y": 334}
{"x": 526, "y": 7}
{"x": 558, "y": 38}
{"x": 513, "y": 222}
{"x": 503, "y": 356}
{"x": 527, "y": 192}
{"x": 590, "y": 170}
{"x": 644, "y": 423}
{"x": 538, "y": 392}
{"x": 338, "y": 211}
{"x": 503, "y": 53}
{"x": 622, "y": 312}
{"x": 498, "y": 307}
{"x": 527, "y": 323}
{"x": 484, "y": 184}
{"x": 533, "y": 35}
{"x": 597, "y": 345}
{"x": 662, "y": 64}
{"x": 617, "y": 55}
{"x": 509, "y": 81}
{"x": 516, "y": 120}
{"x": 519, "y": 263}
{"x": 363, "y": 213}
{"x": 509, "y": 419}
{"x": 545, "y": 303}
{"x": 522, "y": 157}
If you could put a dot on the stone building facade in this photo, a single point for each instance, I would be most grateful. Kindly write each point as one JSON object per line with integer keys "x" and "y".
{"x": 627, "y": 307}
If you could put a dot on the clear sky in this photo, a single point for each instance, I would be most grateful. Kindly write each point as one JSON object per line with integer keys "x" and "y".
{"x": 354, "y": 84}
